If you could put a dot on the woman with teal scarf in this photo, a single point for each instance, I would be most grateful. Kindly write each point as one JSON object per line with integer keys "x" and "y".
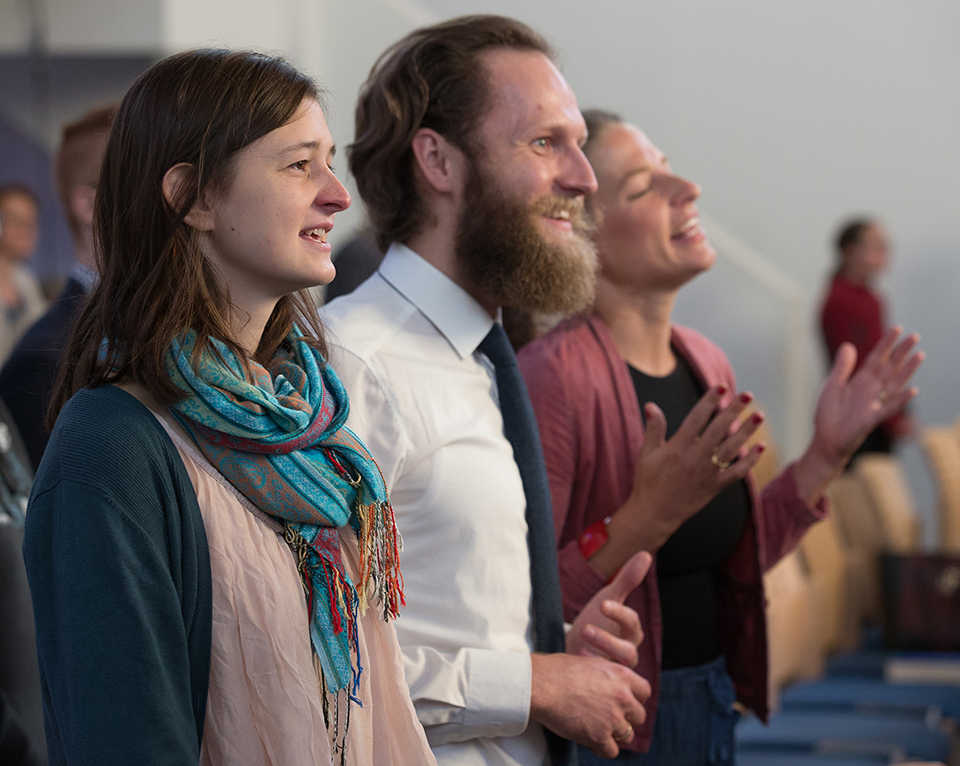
{"x": 212, "y": 553}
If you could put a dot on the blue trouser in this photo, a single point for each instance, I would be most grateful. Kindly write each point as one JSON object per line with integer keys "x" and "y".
{"x": 695, "y": 721}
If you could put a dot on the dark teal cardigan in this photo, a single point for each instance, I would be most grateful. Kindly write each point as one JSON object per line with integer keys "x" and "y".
{"x": 119, "y": 574}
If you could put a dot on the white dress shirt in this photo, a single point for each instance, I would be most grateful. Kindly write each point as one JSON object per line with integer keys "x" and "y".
{"x": 425, "y": 402}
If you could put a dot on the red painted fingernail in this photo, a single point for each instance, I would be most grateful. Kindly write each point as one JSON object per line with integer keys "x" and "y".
{"x": 761, "y": 448}
{"x": 721, "y": 390}
{"x": 757, "y": 417}
{"x": 746, "y": 397}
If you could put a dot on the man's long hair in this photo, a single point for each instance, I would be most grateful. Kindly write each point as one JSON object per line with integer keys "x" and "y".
{"x": 432, "y": 78}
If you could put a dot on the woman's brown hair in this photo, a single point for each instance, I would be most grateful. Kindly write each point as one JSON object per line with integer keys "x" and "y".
{"x": 598, "y": 121}
{"x": 200, "y": 108}
{"x": 432, "y": 78}
{"x": 850, "y": 234}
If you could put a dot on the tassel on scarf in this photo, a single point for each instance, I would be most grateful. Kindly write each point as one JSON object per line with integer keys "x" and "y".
{"x": 380, "y": 544}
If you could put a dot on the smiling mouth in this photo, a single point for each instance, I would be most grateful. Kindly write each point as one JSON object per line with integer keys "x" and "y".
{"x": 316, "y": 235}
{"x": 559, "y": 219}
{"x": 688, "y": 230}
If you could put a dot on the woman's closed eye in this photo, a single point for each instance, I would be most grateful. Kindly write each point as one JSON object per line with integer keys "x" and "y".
{"x": 638, "y": 193}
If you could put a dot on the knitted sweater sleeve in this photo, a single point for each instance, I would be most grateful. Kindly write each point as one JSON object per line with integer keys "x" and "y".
{"x": 119, "y": 575}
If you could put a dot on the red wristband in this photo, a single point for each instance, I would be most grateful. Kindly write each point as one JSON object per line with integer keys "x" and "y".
{"x": 594, "y": 538}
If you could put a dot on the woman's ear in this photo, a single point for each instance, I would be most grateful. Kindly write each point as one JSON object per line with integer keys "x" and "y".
{"x": 441, "y": 164}
{"x": 175, "y": 183}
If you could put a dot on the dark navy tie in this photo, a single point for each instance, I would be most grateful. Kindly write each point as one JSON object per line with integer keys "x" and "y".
{"x": 520, "y": 428}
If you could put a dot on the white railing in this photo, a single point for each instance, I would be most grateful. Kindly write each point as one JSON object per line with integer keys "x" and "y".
{"x": 794, "y": 343}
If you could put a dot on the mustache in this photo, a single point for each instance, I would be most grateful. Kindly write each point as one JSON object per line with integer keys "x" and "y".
{"x": 556, "y": 206}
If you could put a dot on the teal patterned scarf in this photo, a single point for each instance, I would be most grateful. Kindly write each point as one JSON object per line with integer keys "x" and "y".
{"x": 278, "y": 435}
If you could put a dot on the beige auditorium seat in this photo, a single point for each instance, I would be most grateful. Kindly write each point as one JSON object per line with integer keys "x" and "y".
{"x": 941, "y": 447}
{"x": 793, "y": 624}
{"x": 887, "y": 487}
{"x": 863, "y": 540}
{"x": 834, "y": 573}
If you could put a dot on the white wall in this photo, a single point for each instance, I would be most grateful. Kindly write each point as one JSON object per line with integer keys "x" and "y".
{"x": 124, "y": 27}
{"x": 790, "y": 115}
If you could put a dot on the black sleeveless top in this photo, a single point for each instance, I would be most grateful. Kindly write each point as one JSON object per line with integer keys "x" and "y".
{"x": 688, "y": 563}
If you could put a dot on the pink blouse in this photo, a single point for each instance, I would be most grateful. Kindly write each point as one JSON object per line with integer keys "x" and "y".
{"x": 265, "y": 702}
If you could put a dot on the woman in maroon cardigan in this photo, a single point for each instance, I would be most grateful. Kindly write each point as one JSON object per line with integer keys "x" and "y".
{"x": 679, "y": 486}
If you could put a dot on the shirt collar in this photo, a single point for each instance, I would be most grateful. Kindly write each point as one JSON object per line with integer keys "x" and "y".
{"x": 448, "y": 307}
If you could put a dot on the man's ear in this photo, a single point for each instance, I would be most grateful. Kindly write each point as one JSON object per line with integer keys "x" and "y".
{"x": 176, "y": 181}
{"x": 442, "y": 165}
{"x": 81, "y": 200}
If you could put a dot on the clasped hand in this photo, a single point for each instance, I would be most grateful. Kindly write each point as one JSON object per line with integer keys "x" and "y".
{"x": 606, "y": 627}
{"x": 591, "y": 695}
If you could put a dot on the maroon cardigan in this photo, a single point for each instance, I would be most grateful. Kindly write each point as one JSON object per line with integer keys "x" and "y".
{"x": 592, "y": 433}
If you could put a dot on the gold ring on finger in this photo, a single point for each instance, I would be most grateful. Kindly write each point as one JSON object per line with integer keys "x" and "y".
{"x": 624, "y": 736}
{"x": 721, "y": 464}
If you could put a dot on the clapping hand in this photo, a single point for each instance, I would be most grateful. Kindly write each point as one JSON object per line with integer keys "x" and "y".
{"x": 852, "y": 404}
{"x": 674, "y": 478}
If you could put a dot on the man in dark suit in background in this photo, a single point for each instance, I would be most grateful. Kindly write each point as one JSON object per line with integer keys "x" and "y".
{"x": 28, "y": 377}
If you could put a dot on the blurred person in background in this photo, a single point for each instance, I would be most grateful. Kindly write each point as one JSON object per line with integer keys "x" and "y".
{"x": 21, "y": 710}
{"x": 854, "y": 311}
{"x": 27, "y": 378}
{"x": 646, "y": 449}
{"x": 21, "y": 301}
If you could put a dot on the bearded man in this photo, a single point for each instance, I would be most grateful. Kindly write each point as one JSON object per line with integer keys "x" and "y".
{"x": 468, "y": 156}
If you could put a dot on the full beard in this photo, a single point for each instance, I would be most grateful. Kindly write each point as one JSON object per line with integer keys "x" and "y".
{"x": 506, "y": 257}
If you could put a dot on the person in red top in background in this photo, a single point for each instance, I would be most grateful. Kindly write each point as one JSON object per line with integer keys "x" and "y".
{"x": 854, "y": 312}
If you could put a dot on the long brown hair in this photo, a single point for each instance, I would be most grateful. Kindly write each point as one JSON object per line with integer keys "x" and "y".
{"x": 598, "y": 121}
{"x": 200, "y": 108}
{"x": 432, "y": 78}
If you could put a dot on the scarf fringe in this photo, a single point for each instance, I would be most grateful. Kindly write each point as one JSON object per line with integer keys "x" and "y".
{"x": 380, "y": 544}
{"x": 339, "y": 734}
{"x": 343, "y": 604}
